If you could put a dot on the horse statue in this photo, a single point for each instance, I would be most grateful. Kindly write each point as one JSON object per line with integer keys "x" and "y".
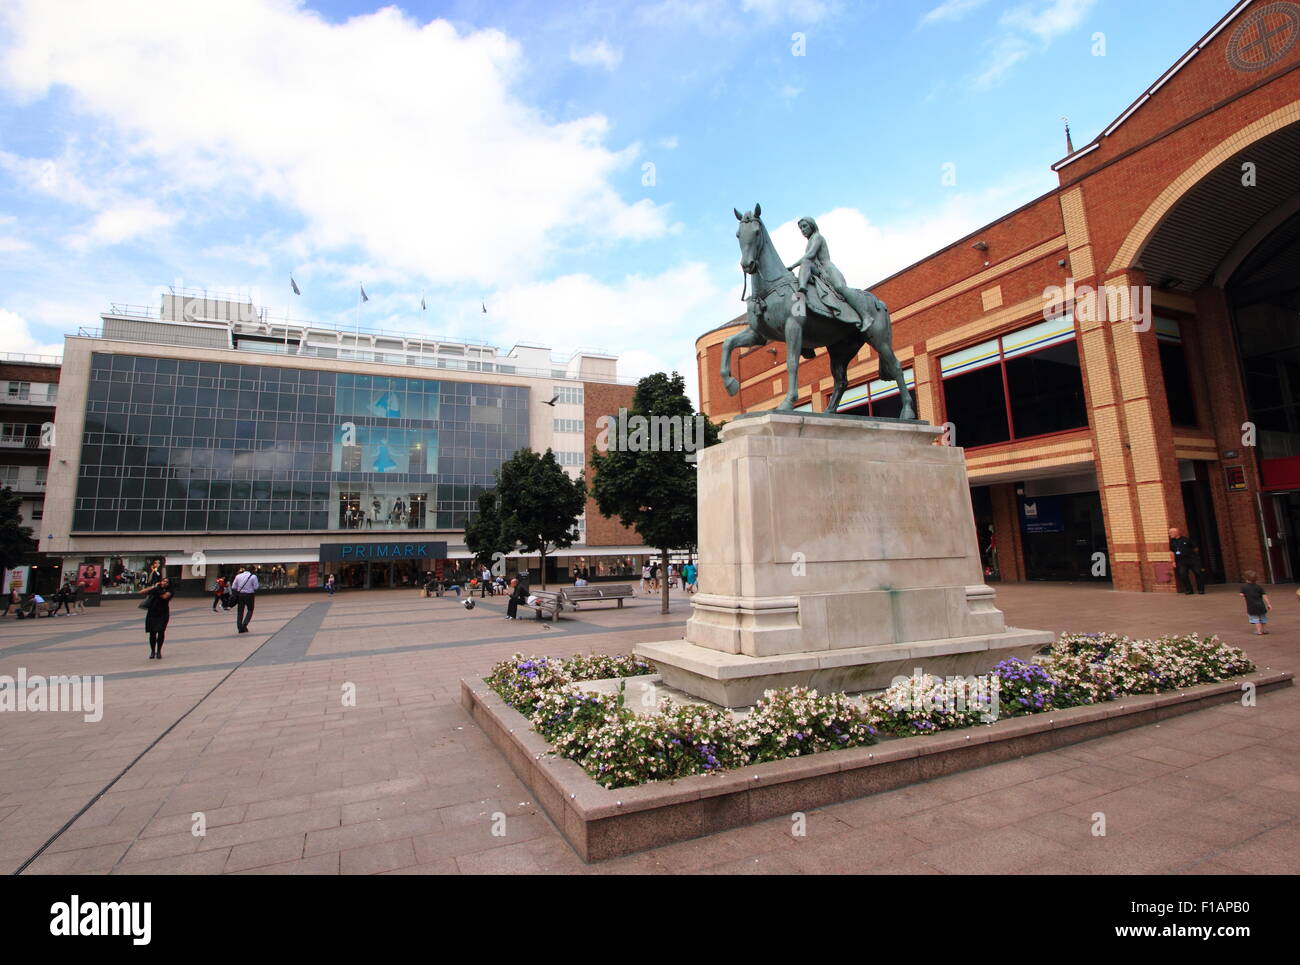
{"x": 815, "y": 310}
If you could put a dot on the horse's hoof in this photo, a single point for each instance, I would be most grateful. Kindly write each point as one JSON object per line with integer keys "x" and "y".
{"x": 731, "y": 385}
{"x": 907, "y": 413}
{"x": 786, "y": 406}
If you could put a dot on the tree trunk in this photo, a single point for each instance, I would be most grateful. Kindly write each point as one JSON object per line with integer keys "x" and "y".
{"x": 543, "y": 567}
{"x": 663, "y": 582}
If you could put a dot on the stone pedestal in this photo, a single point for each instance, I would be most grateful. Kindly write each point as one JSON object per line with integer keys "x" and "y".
{"x": 836, "y": 552}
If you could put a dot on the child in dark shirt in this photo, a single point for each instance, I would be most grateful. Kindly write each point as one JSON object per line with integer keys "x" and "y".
{"x": 1257, "y": 605}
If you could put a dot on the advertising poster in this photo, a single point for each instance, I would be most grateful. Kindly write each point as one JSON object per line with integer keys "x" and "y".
{"x": 89, "y": 576}
{"x": 16, "y": 579}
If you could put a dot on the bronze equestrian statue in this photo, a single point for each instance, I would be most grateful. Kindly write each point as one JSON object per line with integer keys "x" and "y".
{"x": 814, "y": 310}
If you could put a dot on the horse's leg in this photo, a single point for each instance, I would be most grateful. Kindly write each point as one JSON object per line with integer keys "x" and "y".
{"x": 841, "y": 355}
{"x": 749, "y": 336}
{"x": 793, "y": 347}
{"x": 890, "y": 368}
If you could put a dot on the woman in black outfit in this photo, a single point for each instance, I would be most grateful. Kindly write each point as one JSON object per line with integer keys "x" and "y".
{"x": 155, "y": 621}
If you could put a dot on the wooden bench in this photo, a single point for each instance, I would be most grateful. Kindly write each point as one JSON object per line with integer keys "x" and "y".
{"x": 585, "y": 594}
{"x": 547, "y": 602}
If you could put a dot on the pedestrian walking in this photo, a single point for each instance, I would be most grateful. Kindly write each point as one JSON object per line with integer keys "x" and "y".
{"x": 63, "y": 599}
{"x": 329, "y": 584}
{"x": 688, "y": 577}
{"x": 158, "y": 604}
{"x": 79, "y": 590}
{"x": 218, "y": 591}
{"x": 245, "y": 586}
{"x": 645, "y": 578}
{"x": 1257, "y": 604}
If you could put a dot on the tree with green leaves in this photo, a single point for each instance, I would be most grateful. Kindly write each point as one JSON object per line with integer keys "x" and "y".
{"x": 644, "y": 461}
{"x": 484, "y": 533}
{"x": 15, "y": 538}
{"x": 539, "y": 504}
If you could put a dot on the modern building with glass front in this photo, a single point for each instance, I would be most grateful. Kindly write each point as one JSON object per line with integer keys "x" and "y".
{"x": 204, "y": 435}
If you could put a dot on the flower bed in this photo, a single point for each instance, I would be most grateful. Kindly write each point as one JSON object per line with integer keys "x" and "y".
{"x": 620, "y": 748}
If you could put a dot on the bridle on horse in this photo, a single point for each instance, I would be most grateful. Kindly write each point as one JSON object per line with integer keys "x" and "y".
{"x": 775, "y": 287}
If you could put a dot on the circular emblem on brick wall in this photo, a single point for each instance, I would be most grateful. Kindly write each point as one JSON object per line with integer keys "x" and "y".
{"x": 1263, "y": 38}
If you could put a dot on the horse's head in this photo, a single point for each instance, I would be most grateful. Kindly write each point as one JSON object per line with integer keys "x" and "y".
{"x": 750, "y": 234}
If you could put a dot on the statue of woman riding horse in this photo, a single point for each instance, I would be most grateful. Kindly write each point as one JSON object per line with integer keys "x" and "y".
{"x": 817, "y": 309}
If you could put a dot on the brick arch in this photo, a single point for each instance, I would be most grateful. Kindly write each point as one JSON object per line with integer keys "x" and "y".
{"x": 1155, "y": 214}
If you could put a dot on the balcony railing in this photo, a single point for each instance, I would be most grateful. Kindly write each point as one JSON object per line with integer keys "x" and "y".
{"x": 30, "y": 398}
{"x": 500, "y": 364}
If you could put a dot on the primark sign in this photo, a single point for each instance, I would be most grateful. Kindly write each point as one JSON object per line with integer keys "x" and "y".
{"x": 381, "y": 552}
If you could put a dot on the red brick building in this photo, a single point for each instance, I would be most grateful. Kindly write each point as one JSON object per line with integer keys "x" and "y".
{"x": 1121, "y": 355}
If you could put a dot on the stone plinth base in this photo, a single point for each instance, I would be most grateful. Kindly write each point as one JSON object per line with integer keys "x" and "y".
{"x": 836, "y": 552}
{"x": 738, "y": 680}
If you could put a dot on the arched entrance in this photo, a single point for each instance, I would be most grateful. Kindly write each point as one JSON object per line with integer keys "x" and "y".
{"x": 1224, "y": 264}
{"x": 1264, "y": 298}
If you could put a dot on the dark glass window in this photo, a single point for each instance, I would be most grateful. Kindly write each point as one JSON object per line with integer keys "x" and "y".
{"x": 1178, "y": 384}
{"x": 1029, "y": 383}
{"x": 1046, "y": 391}
{"x": 210, "y": 446}
{"x": 976, "y": 404}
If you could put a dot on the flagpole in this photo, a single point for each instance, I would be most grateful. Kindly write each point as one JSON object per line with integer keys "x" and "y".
{"x": 288, "y": 305}
{"x": 357, "y": 346}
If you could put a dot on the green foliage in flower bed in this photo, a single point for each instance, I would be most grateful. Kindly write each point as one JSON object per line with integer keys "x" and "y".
{"x": 797, "y": 721}
{"x": 926, "y": 704}
{"x": 522, "y": 681}
{"x": 620, "y": 748}
{"x": 1088, "y": 668}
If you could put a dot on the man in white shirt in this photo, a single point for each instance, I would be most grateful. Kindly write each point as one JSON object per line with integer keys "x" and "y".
{"x": 245, "y": 586}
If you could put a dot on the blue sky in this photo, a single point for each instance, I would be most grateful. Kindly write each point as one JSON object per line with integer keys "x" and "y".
{"x": 496, "y": 153}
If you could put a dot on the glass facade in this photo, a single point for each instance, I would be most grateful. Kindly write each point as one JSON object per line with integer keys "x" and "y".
{"x": 1024, "y": 384}
{"x": 180, "y": 446}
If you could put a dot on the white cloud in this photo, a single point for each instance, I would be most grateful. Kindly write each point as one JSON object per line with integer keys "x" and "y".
{"x": 407, "y": 140}
{"x": 10, "y": 244}
{"x": 598, "y": 53}
{"x": 668, "y": 143}
{"x": 16, "y": 336}
{"x": 122, "y": 222}
{"x": 651, "y": 322}
{"x": 1049, "y": 20}
{"x": 867, "y": 252}
{"x": 805, "y": 11}
{"x": 950, "y": 11}
{"x": 1032, "y": 25}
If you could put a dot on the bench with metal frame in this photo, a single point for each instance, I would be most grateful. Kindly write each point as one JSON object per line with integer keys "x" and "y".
{"x": 547, "y": 601}
{"x": 587, "y": 594}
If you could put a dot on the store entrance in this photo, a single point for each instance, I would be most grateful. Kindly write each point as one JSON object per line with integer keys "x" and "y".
{"x": 1064, "y": 537}
{"x": 1283, "y": 529}
{"x": 1202, "y": 524}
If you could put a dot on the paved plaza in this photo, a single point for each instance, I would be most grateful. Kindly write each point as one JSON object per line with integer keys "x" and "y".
{"x": 253, "y": 732}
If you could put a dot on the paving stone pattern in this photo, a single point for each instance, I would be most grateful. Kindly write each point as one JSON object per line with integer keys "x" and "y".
{"x": 252, "y": 731}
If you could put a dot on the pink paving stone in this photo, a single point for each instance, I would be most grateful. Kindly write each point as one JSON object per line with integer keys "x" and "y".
{"x": 243, "y": 857}
{"x": 407, "y": 764}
